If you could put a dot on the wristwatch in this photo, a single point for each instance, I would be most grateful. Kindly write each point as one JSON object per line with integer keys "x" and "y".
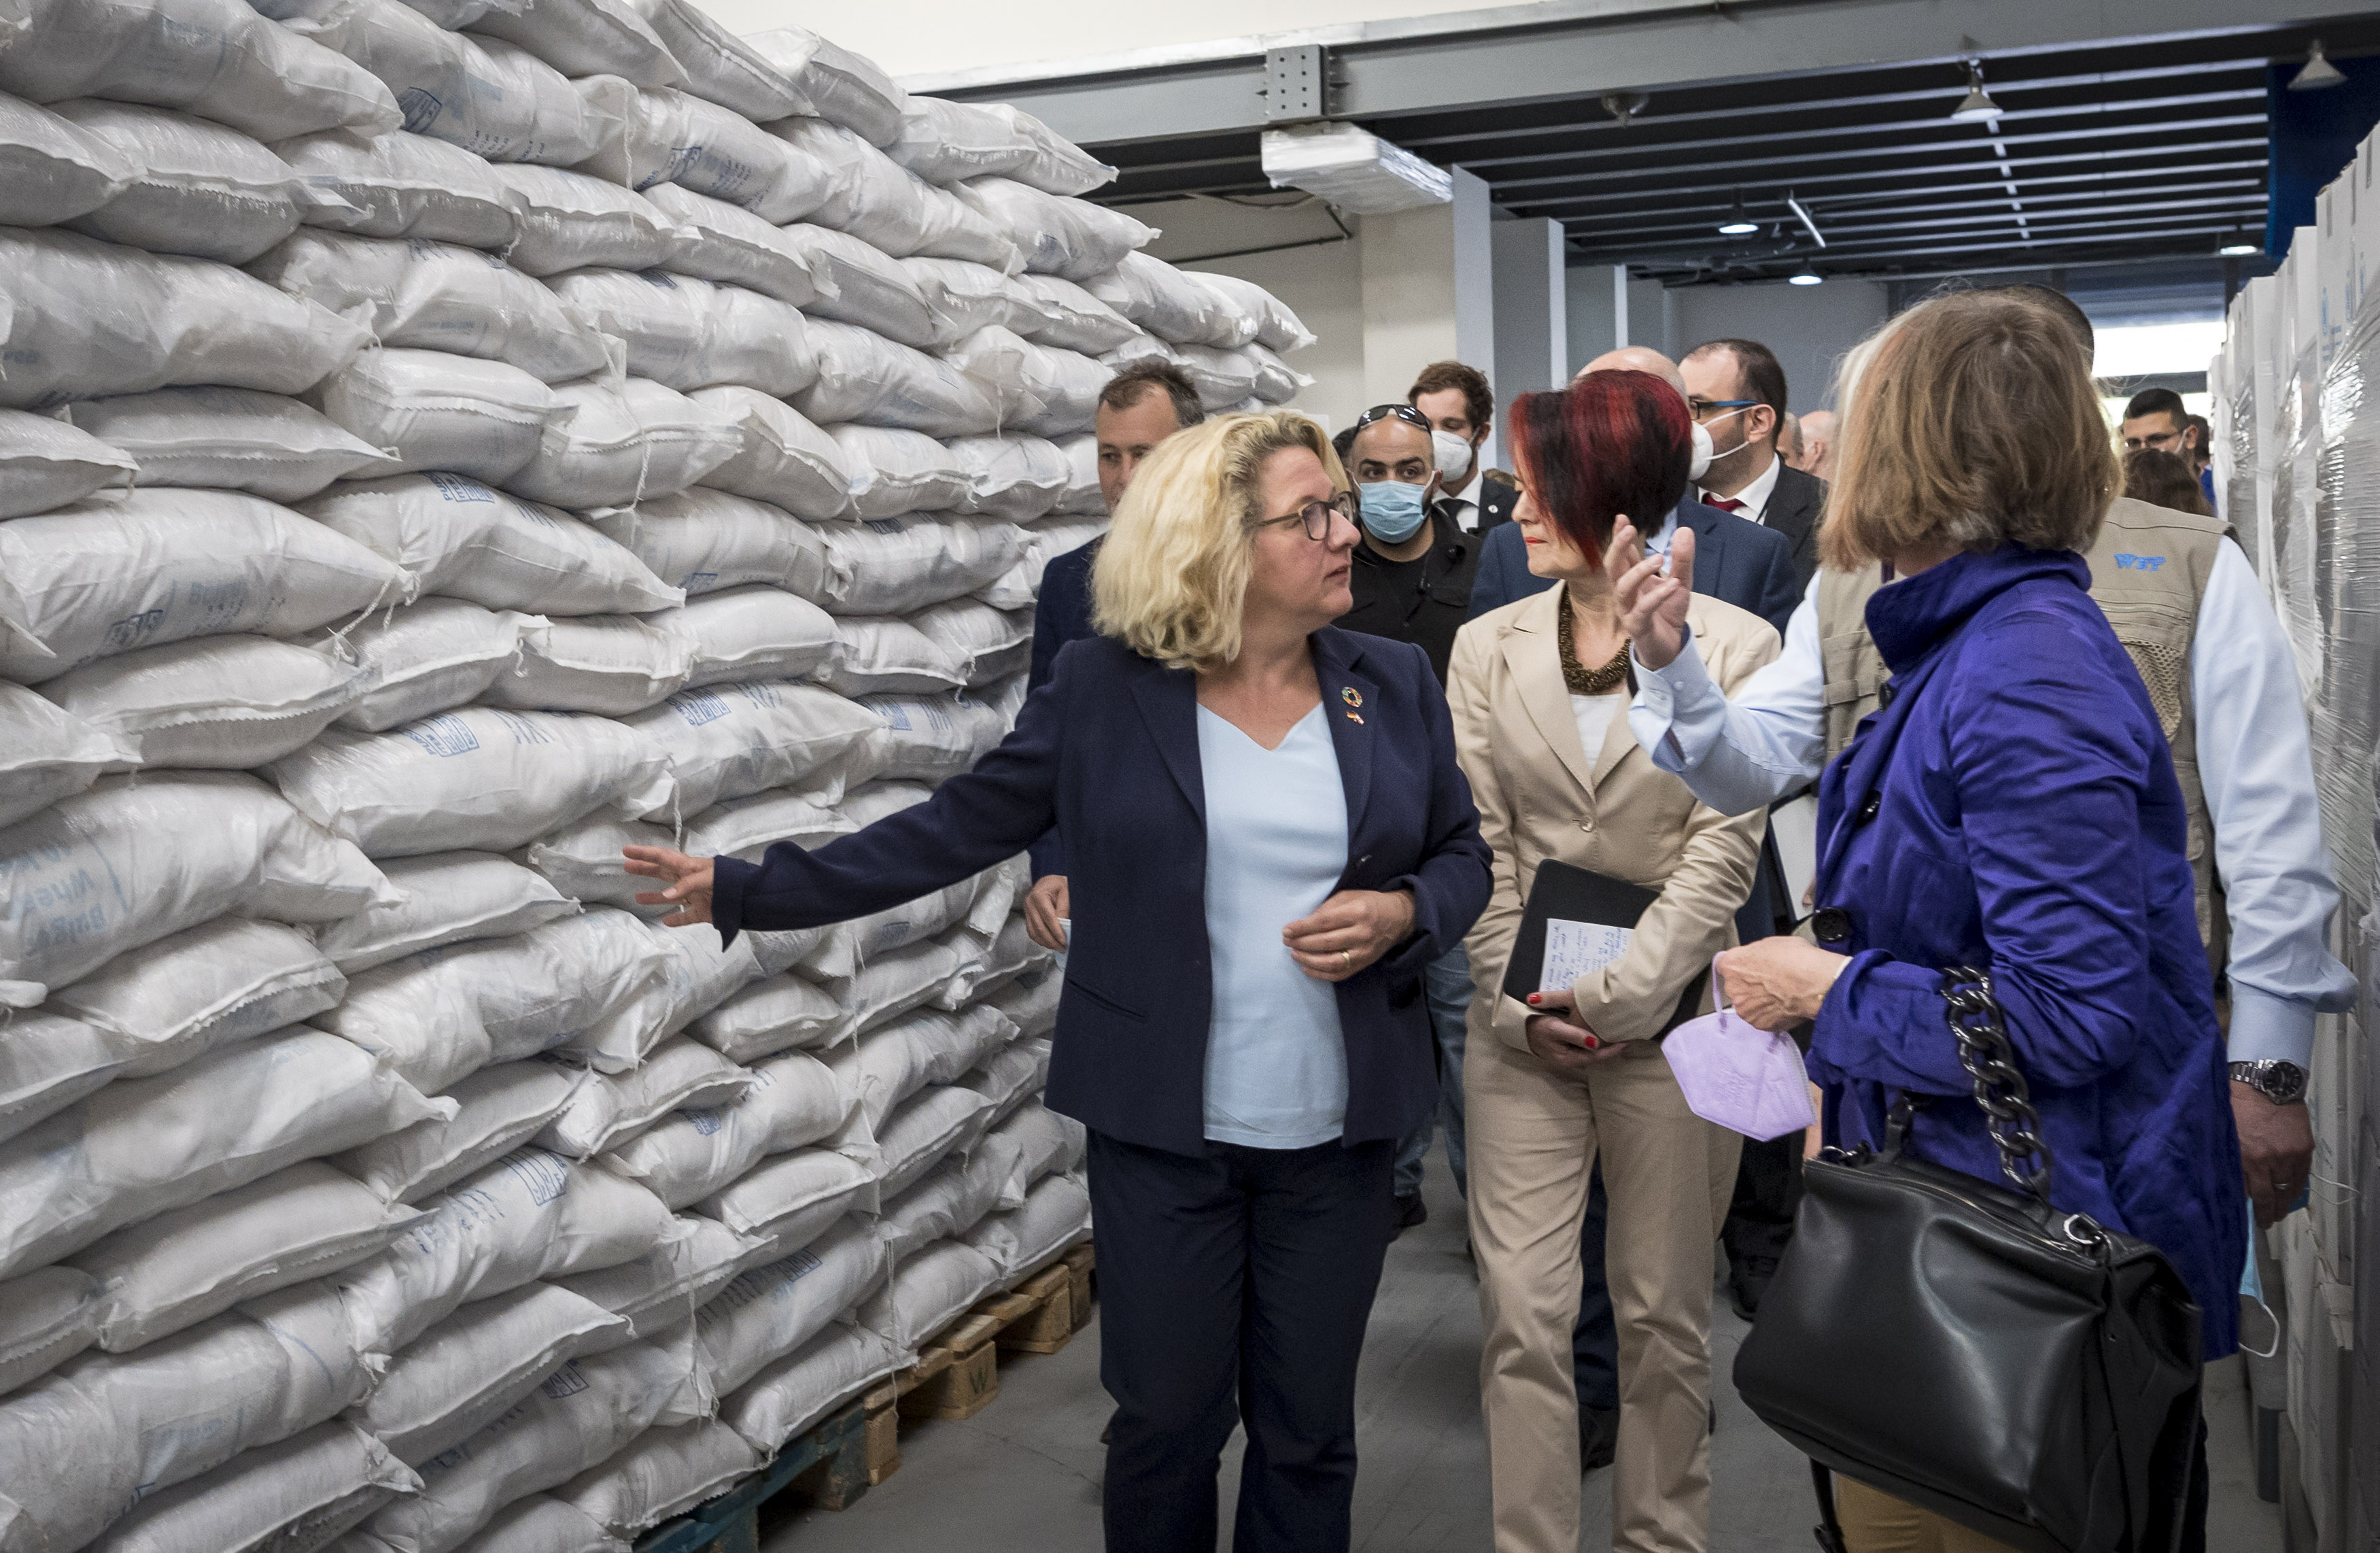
{"x": 2284, "y": 1084}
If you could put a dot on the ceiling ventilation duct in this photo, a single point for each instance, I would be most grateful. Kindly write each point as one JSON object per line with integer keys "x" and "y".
{"x": 1354, "y": 169}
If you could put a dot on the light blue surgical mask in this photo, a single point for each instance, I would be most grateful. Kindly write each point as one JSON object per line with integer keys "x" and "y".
{"x": 1393, "y": 511}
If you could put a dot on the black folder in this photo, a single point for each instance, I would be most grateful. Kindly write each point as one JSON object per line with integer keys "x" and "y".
{"x": 1569, "y": 893}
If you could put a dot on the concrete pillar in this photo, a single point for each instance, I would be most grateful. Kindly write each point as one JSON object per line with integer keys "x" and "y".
{"x": 1531, "y": 327}
{"x": 1429, "y": 290}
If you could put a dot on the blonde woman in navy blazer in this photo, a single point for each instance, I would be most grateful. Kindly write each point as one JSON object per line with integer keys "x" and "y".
{"x": 1268, "y": 837}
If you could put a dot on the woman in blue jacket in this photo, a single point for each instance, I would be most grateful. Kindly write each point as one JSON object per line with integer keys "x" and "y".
{"x": 2011, "y": 804}
{"x": 1268, "y": 838}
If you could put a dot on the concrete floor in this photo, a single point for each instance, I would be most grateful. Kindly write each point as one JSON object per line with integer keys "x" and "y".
{"x": 1022, "y": 1476}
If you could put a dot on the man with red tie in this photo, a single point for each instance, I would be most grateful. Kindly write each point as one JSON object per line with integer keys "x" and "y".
{"x": 1737, "y": 391}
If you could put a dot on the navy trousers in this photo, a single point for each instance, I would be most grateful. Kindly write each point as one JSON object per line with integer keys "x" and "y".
{"x": 1235, "y": 1285}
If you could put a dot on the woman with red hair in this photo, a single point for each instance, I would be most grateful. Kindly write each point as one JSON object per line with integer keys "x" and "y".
{"x": 1540, "y": 691}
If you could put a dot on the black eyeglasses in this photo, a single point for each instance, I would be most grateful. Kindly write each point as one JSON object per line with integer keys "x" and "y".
{"x": 1317, "y": 515}
{"x": 1405, "y": 413}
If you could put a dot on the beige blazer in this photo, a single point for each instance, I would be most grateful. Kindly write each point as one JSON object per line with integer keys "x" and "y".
{"x": 1541, "y": 795}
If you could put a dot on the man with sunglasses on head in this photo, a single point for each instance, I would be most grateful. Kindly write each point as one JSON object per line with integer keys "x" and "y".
{"x": 1736, "y": 390}
{"x": 1411, "y": 582}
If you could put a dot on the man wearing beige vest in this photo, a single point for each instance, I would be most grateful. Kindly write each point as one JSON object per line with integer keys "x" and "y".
{"x": 2189, "y": 610}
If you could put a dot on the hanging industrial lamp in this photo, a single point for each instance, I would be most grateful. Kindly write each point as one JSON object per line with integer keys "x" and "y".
{"x": 1807, "y": 275}
{"x": 1977, "y": 106}
{"x": 1739, "y": 221}
{"x": 2319, "y": 72}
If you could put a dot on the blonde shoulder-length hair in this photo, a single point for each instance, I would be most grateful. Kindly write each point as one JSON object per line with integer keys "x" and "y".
{"x": 1970, "y": 420}
{"x": 1172, "y": 578}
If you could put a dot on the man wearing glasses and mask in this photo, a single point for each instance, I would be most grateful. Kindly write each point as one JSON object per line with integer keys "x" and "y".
{"x": 1411, "y": 581}
{"x": 1737, "y": 393}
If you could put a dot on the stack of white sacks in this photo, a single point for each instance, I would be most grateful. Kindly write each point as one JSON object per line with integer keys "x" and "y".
{"x": 442, "y": 444}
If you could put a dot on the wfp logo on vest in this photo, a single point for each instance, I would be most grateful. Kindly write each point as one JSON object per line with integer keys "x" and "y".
{"x": 2140, "y": 562}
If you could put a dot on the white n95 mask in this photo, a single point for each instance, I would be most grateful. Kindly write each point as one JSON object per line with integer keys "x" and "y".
{"x": 1703, "y": 446}
{"x": 1453, "y": 455}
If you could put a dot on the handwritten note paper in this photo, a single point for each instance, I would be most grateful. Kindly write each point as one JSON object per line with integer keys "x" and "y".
{"x": 1576, "y": 949}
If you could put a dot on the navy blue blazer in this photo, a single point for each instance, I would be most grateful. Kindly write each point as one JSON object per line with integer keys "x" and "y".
{"x": 1108, "y": 752}
{"x": 1736, "y": 561}
{"x": 1061, "y": 614}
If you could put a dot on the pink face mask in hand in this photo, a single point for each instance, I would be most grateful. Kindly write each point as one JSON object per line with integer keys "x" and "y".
{"x": 1747, "y": 1080}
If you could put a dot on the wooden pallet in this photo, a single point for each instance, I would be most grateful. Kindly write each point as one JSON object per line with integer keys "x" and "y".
{"x": 830, "y": 1461}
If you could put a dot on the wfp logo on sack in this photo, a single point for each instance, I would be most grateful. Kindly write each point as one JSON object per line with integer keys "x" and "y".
{"x": 2140, "y": 562}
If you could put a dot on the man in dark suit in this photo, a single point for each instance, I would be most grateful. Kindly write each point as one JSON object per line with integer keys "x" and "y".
{"x": 1460, "y": 407}
{"x": 1737, "y": 391}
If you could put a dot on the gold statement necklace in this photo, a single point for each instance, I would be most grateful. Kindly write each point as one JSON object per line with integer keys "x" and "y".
{"x": 1599, "y": 681}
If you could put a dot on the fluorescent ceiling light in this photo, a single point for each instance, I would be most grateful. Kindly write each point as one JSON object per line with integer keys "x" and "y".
{"x": 1977, "y": 106}
{"x": 1354, "y": 169}
{"x": 2237, "y": 245}
{"x": 1805, "y": 276}
{"x": 1739, "y": 221}
{"x": 2319, "y": 72}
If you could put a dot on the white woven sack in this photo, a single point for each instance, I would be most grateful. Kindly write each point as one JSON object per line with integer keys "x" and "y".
{"x": 1055, "y": 1215}
{"x": 501, "y": 1108}
{"x": 693, "y": 974}
{"x": 1223, "y": 378}
{"x": 896, "y": 565}
{"x": 662, "y": 1473}
{"x": 1014, "y": 479}
{"x": 925, "y": 1128}
{"x": 570, "y": 220}
{"x": 299, "y": 1492}
{"x": 895, "y": 472}
{"x": 143, "y": 1421}
{"x": 1163, "y": 300}
{"x": 949, "y": 1200}
{"x": 1078, "y": 321}
{"x": 1236, "y": 317}
{"x": 963, "y": 297}
{"x": 770, "y": 1016}
{"x": 1010, "y": 1077}
{"x": 460, "y": 538}
{"x": 1047, "y": 1144}
{"x": 54, "y": 170}
{"x": 1057, "y": 166}
{"x": 795, "y": 1100}
{"x": 229, "y": 439}
{"x": 611, "y": 1109}
{"x": 144, "y": 1145}
{"x": 490, "y": 98}
{"x": 102, "y": 577}
{"x": 431, "y": 296}
{"x": 480, "y": 776}
{"x": 746, "y": 827}
{"x": 860, "y": 286}
{"x": 1276, "y": 382}
{"x": 218, "y": 703}
{"x": 171, "y": 320}
{"x": 884, "y": 654}
{"x": 1031, "y": 1003}
{"x": 46, "y": 464}
{"x": 623, "y": 443}
{"x": 893, "y": 1063}
{"x": 455, "y": 1378}
{"x": 535, "y": 1524}
{"x": 1083, "y": 494}
{"x": 216, "y": 59}
{"x": 451, "y": 897}
{"x": 126, "y": 863}
{"x": 47, "y": 754}
{"x": 864, "y": 377}
{"x": 664, "y": 1287}
{"x": 785, "y": 460}
{"x": 1058, "y": 235}
{"x": 764, "y": 1315}
{"x": 689, "y": 333}
{"x": 930, "y": 737}
{"x": 834, "y": 83}
{"x": 581, "y": 38}
{"x": 991, "y": 643}
{"x": 582, "y": 860}
{"x": 441, "y": 1016}
{"x": 734, "y": 740}
{"x": 736, "y": 247}
{"x": 202, "y": 190}
{"x": 423, "y": 659}
{"x": 48, "y": 1063}
{"x": 707, "y": 541}
{"x": 752, "y": 633}
{"x": 718, "y": 66}
{"x": 927, "y": 1293}
{"x": 579, "y": 1416}
{"x": 46, "y": 1317}
{"x": 201, "y": 989}
{"x": 531, "y": 1215}
{"x": 798, "y": 1390}
{"x": 613, "y": 664}
{"x": 945, "y": 141}
{"x": 402, "y": 185}
{"x": 665, "y": 136}
{"x": 435, "y": 411}
{"x": 175, "y": 1271}
{"x": 881, "y": 203}
{"x": 800, "y": 1191}
{"x": 1276, "y": 327}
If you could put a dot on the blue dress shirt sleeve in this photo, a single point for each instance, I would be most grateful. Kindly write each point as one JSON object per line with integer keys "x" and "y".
{"x": 1766, "y": 744}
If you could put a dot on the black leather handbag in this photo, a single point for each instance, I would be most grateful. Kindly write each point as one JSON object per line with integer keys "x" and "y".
{"x": 2024, "y": 1372}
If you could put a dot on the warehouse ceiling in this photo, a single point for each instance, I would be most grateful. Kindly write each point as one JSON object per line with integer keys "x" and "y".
{"x": 2103, "y": 152}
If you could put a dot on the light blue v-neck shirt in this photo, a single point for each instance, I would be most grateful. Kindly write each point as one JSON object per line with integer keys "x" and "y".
{"x": 1276, "y": 849}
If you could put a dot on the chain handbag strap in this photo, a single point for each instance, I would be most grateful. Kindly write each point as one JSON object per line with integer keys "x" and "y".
{"x": 1983, "y": 1050}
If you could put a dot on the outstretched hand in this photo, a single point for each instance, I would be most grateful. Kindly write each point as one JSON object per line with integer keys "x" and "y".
{"x": 688, "y": 881}
{"x": 1652, "y": 602}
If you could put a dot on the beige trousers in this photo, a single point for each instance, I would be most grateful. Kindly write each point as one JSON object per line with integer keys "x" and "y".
{"x": 1532, "y": 1133}
{"x": 1874, "y": 1522}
